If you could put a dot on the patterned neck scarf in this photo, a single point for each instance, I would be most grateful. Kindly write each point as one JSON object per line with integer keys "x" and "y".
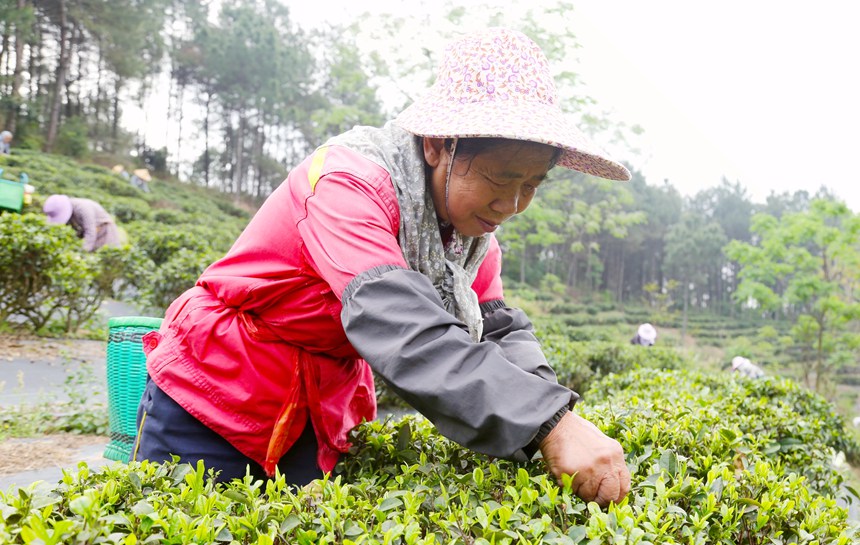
{"x": 451, "y": 267}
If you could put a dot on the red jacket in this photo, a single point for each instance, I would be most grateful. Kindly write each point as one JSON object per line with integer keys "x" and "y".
{"x": 258, "y": 345}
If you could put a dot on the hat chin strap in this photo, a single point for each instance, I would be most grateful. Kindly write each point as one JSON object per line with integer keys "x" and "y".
{"x": 448, "y": 179}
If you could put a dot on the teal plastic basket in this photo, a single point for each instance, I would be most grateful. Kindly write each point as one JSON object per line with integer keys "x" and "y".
{"x": 126, "y": 379}
{"x": 11, "y": 195}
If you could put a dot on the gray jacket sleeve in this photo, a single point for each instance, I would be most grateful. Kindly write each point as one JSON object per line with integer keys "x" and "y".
{"x": 512, "y": 330}
{"x": 471, "y": 391}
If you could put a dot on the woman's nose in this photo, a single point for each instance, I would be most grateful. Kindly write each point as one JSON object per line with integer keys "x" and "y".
{"x": 505, "y": 204}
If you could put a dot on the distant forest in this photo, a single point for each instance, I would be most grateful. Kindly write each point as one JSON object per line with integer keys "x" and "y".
{"x": 272, "y": 91}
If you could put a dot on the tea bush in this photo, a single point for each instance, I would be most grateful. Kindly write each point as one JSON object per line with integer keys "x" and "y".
{"x": 584, "y": 318}
{"x": 566, "y": 308}
{"x": 743, "y": 419}
{"x": 161, "y": 242}
{"x": 701, "y": 474}
{"x": 176, "y": 275}
{"x": 45, "y": 275}
{"x": 128, "y": 210}
{"x": 578, "y": 364}
{"x": 549, "y": 326}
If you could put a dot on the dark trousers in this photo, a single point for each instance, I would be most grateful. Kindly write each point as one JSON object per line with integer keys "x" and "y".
{"x": 169, "y": 429}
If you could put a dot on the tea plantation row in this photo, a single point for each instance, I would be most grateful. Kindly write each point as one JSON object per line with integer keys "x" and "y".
{"x": 714, "y": 459}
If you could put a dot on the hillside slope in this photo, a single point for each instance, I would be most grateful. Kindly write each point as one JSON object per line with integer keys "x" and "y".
{"x": 50, "y": 174}
{"x": 174, "y": 230}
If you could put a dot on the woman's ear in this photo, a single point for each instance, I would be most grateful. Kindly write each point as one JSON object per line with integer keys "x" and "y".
{"x": 433, "y": 150}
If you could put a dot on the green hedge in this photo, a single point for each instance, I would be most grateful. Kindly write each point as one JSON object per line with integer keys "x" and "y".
{"x": 578, "y": 364}
{"x": 47, "y": 278}
{"x": 713, "y": 460}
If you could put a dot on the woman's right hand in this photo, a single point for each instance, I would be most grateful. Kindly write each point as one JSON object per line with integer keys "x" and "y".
{"x": 576, "y": 447}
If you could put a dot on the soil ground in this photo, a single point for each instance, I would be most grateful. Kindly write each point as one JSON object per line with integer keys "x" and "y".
{"x": 34, "y": 453}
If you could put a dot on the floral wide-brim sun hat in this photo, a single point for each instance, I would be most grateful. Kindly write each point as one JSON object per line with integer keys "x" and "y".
{"x": 496, "y": 84}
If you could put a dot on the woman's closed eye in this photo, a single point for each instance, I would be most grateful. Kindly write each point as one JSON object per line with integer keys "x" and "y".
{"x": 493, "y": 181}
{"x": 529, "y": 189}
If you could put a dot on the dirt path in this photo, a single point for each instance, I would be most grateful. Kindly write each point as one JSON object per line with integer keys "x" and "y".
{"x": 31, "y": 348}
{"x": 32, "y": 453}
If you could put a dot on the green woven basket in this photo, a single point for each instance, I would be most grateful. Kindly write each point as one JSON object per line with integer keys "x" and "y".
{"x": 126, "y": 379}
{"x": 11, "y": 195}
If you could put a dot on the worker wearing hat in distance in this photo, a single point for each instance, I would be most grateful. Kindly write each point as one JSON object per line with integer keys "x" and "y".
{"x": 5, "y": 143}
{"x": 646, "y": 335}
{"x": 746, "y": 368}
{"x": 377, "y": 253}
{"x": 88, "y": 218}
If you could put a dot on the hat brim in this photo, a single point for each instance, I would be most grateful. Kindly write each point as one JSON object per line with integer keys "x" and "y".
{"x": 143, "y": 174}
{"x": 436, "y": 117}
{"x": 60, "y": 217}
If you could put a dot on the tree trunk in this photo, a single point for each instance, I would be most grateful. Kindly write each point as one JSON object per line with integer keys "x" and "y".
{"x": 206, "y": 158}
{"x": 114, "y": 124}
{"x": 179, "y": 101}
{"x": 35, "y": 67}
{"x": 589, "y": 283}
{"x": 170, "y": 91}
{"x": 59, "y": 79}
{"x": 225, "y": 179}
{"x": 571, "y": 272}
{"x": 686, "y": 304}
{"x": 819, "y": 351}
{"x": 4, "y": 57}
{"x": 98, "y": 107}
{"x": 238, "y": 156}
{"x": 17, "y": 76}
{"x": 261, "y": 143}
{"x": 619, "y": 294}
{"x": 523, "y": 264}
{"x": 73, "y": 100}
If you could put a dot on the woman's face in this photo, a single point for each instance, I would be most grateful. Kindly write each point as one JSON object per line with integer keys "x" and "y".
{"x": 489, "y": 188}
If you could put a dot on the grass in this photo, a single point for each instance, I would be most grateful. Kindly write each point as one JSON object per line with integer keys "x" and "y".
{"x": 78, "y": 414}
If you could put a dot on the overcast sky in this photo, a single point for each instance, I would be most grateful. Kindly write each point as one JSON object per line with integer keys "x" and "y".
{"x": 765, "y": 92}
{"x": 762, "y": 92}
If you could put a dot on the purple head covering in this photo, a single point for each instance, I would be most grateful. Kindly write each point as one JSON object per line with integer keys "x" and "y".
{"x": 58, "y": 208}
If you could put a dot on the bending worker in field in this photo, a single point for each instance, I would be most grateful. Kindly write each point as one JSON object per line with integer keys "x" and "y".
{"x": 646, "y": 335}
{"x": 89, "y": 219}
{"x": 746, "y": 368}
{"x": 377, "y": 252}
